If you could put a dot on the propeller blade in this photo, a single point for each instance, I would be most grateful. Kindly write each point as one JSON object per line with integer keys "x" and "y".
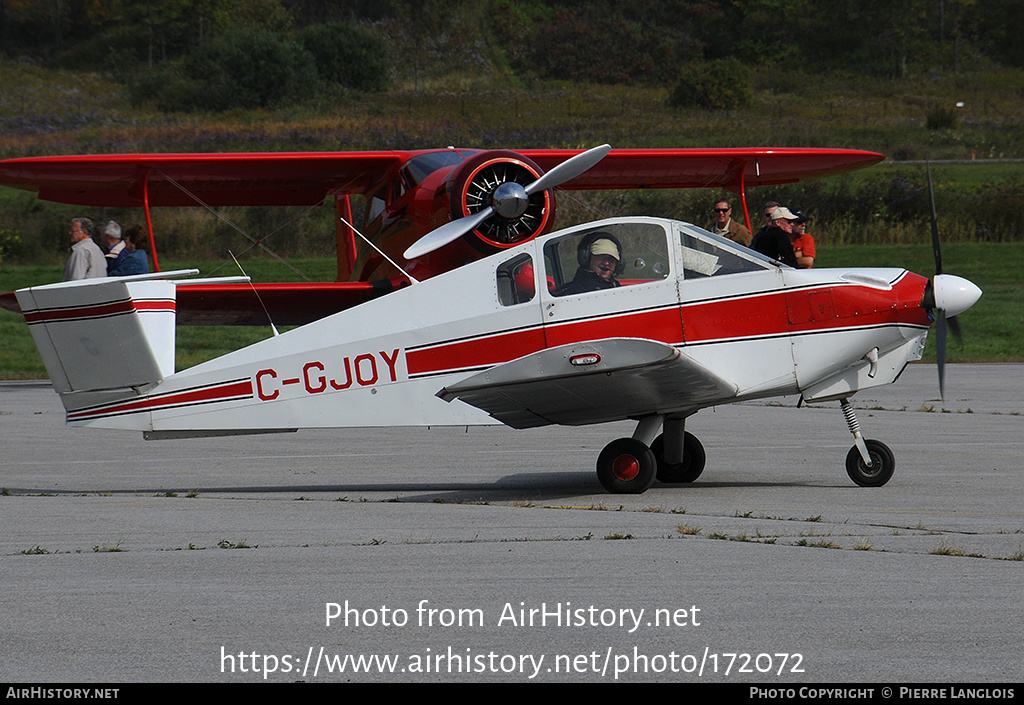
{"x": 449, "y": 232}
{"x": 569, "y": 169}
{"x": 940, "y": 349}
{"x": 954, "y": 328}
{"x": 935, "y": 222}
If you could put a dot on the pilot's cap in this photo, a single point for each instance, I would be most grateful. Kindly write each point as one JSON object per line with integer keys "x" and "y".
{"x": 783, "y": 213}
{"x": 604, "y": 246}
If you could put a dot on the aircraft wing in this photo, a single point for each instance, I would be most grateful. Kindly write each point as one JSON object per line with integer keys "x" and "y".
{"x": 622, "y": 378}
{"x": 706, "y": 168}
{"x": 287, "y": 304}
{"x": 306, "y": 178}
{"x": 253, "y": 179}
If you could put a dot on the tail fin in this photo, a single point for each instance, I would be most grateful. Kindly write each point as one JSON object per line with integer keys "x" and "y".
{"x": 103, "y": 340}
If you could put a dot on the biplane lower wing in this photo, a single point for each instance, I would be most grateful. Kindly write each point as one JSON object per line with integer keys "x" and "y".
{"x": 592, "y": 382}
{"x": 284, "y": 304}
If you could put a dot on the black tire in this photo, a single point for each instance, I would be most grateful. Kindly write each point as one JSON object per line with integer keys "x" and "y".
{"x": 626, "y": 466}
{"x": 692, "y": 466}
{"x": 883, "y": 465}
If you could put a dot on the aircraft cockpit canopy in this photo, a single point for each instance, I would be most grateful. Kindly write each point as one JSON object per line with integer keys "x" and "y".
{"x": 643, "y": 248}
{"x": 645, "y": 256}
{"x": 414, "y": 171}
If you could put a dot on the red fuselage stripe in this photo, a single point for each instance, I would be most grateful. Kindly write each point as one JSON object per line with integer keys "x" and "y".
{"x": 232, "y": 390}
{"x": 155, "y": 305}
{"x": 485, "y": 351}
{"x": 62, "y": 315}
{"x": 756, "y": 316}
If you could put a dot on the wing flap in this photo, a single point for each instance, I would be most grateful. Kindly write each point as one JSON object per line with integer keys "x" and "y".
{"x": 630, "y": 377}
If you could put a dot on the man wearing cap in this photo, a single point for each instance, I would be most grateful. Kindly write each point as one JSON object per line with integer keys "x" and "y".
{"x": 774, "y": 241}
{"x": 600, "y": 259}
{"x": 725, "y": 226}
{"x": 803, "y": 244}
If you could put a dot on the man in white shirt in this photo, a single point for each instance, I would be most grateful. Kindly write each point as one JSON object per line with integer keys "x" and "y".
{"x": 87, "y": 260}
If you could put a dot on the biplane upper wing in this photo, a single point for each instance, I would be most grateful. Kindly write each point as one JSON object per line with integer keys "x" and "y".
{"x": 132, "y": 180}
{"x": 592, "y": 382}
{"x": 707, "y": 168}
{"x": 306, "y": 178}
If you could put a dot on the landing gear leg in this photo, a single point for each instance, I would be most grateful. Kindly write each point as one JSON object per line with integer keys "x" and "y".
{"x": 869, "y": 463}
{"x": 680, "y": 455}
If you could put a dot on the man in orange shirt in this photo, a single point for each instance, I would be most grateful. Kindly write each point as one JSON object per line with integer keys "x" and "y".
{"x": 803, "y": 244}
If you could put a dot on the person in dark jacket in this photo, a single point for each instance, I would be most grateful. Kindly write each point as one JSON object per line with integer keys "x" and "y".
{"x": 774, "y": 241}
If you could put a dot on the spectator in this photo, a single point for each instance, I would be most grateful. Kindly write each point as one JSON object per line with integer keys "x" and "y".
{"x": 113, "y": 245}
{"x": 134, "y": 261}
{"x": 86, "y": 261}
{"x": 803, "y": 244}
{"x": 768, "y": 209}
{"x": 774, "y": 241}
{"x": 725, "y": 226}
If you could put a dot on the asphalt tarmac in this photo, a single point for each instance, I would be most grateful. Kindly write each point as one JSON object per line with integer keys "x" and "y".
{"x": 487, "y": 554}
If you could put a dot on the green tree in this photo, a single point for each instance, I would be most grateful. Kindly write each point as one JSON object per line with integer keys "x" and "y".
{"x": 719, "y": 84}
{"x": 241, "y": 68}
{"x": 349, "y": 55}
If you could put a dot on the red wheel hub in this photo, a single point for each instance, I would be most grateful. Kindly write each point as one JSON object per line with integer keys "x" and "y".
{"x": 625, "y": 467}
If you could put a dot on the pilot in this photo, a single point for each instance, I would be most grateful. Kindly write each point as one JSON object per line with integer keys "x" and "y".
{"x": 600, "y": 260}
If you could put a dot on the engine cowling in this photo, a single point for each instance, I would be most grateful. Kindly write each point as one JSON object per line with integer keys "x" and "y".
{"x": 473, "y": 188}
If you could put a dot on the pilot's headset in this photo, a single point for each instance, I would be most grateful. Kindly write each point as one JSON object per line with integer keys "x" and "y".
{"x": 583, "y": 250}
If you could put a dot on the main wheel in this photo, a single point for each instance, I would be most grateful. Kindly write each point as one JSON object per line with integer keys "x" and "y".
{"x": 626, "y": 466}
{"x": 882, "y": 465}
{"x": 692, "y": 466}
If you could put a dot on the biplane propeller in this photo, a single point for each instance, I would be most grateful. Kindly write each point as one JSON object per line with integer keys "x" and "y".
{"x": 509, "y": 201}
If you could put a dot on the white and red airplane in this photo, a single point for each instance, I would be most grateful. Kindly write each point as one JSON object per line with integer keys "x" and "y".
{"x": 695, "y": 321}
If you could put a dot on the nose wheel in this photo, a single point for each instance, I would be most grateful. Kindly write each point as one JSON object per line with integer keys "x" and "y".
{"x": 882, "y": 464}
{"x": 869, "y": 463}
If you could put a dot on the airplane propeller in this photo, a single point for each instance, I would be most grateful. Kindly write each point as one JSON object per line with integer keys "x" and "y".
{"x": 945, "y": 297}
{"x": 509, "y": 201}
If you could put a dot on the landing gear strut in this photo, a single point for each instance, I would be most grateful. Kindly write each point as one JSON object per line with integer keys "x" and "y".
{"x": 689, "y": 468}
{"x": 629, "y": 465}
{"x": 869, "y": 463}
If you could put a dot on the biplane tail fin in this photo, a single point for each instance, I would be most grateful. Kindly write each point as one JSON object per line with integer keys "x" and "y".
{"x": 103, "y": 340}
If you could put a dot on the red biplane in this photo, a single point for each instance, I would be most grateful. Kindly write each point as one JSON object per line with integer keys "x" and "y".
{"x": 407, "y": 193}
